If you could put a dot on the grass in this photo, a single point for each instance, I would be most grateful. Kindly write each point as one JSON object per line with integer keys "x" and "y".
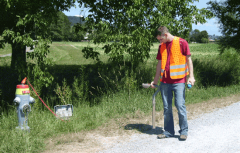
{"x": 69, "y": 53}
{"x": 44, "y": 125}
{"x": 114, "y": 91}
{"x": 6, "y": 50}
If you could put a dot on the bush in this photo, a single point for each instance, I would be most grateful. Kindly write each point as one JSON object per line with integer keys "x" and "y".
{"x": 204, "y": 40}
{"x": 222, "y": 70}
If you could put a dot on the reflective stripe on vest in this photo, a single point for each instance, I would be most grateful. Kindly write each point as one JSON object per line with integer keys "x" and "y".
{"x": 178, "y": 64}
{"x": 162, "y": 71}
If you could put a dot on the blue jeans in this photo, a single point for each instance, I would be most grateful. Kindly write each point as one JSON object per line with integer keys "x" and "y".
{"x": 167, "y": 91}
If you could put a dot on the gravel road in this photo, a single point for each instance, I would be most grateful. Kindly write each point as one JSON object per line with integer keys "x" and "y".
{"x": 215, "y": 132}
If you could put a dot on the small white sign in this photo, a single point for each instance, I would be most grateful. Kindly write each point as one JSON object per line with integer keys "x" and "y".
{"x": 64, "y": 111}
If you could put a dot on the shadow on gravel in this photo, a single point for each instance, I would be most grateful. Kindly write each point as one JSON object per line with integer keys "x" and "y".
{"x": 144, "y": 128}
{"x": 147, "y": 129}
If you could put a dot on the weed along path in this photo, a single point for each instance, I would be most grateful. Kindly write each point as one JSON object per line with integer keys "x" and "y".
{"x": 213, "y": 127}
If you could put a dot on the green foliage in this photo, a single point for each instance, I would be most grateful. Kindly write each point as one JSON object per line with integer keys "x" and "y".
{"x": 221, "y": 70}
{"x": 204, "y": 40}
{"x": 232, "y": 59}
{"x": 60, "y": 30}
{"x": 37, "y": 71}
{"x": 199, "y": 36}
{"x": 65, "y": 30}
{"x": 25, "y": 20}
{"x": 89, "y": 53}
{"x": 80, "y": 89}
{"x": 204, "y": 34}
{"x": 75, "y": 94}
{"x": 21, "y": 23}
{"x": 194, "y": 35}
{"x": 77, "y": 33}
{"x": 130, "y": 82}
{"x": 1, "y": 102}
{"x": 228, "y": 13}
{"x": 45, "y": 127}
{"x": 64, "y": 93}
{"x": 6, "y": 50}
{"x": 116, "y": 93}
{"x": 131, "y": 24}
{"x": 75, "y": 20}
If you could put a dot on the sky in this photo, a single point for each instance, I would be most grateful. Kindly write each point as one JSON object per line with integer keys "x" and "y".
{"x": 211, "y": 26}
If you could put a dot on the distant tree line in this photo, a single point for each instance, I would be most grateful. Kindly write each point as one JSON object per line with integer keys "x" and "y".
{"x": 199, "y": 36}
{"x": 72, "y": 28}
{"x": 67, "y": 28}
{"x": 75, "y": 20}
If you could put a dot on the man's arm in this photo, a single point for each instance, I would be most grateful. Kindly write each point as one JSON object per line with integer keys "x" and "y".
{"x": 158, "y": 73}
{"x": 190, "y": 68}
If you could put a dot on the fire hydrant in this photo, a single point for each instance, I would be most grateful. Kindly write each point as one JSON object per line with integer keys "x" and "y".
{"x": 23, "y": 101}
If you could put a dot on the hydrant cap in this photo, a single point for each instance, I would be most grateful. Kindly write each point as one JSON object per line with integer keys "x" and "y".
{"x": 22, "y": 89}
{"x": 22, "y": 86}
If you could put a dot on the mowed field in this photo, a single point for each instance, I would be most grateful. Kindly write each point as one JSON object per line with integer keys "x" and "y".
{"x": 69, "y": 53}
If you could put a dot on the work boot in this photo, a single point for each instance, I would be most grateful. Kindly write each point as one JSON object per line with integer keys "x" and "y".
{"x": 183, "y": 137}
{"x": 161, "y": 136}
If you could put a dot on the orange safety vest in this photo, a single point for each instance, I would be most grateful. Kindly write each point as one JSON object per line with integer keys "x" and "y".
{"x": 178, "y": 62}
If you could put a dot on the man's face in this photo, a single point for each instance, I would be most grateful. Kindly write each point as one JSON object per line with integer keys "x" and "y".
{"x": 162, "y": 38}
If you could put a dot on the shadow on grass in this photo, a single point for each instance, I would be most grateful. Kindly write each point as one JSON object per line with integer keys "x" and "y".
{"x": 144, "y": 128}
{"x": 99, "y": 79}
{"x": 216, "y": 72}
{"x": 103, "y": 79}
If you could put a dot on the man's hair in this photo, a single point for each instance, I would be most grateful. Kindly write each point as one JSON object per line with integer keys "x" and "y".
{"x": 161, "y": 30}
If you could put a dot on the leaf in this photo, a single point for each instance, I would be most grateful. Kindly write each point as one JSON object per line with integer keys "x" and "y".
{"x": 130, "y": 24}
{"x": 89, "y": 53}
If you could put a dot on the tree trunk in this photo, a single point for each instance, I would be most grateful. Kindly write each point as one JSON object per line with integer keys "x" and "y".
{"x": 18, "y": 61}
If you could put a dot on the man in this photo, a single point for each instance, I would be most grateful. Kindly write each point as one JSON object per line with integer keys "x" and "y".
{"x": 174, "y": 64}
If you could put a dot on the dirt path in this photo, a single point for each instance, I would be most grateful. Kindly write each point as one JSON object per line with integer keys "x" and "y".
{"x": 27, "y": 50}
{"x": 120, "y": 130}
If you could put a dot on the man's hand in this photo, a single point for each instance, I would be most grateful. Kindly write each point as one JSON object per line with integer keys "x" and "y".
{"x": 191, "y": 81}
{"x": 152, "y": 84}
{"x": 157, "y": 75}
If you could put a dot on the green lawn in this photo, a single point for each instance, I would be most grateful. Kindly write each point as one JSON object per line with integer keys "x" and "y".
{"x": 70, "y": 52}
{"x": 6, "y": 50}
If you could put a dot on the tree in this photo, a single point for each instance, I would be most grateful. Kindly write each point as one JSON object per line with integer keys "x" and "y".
{"x": 194, "y": 36}
{"x": 228, "y": 13}
{"x": 204, "y": 40}
{"x": 204, "y": 34}
{"x": 76, "y": 19}
{"x": 60, "y": 29}
{"x": 131, "y": 24}
{"x": 199, "y": 36}
{"x": 77, "y": 32}
{"x": 25, "y": 20}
